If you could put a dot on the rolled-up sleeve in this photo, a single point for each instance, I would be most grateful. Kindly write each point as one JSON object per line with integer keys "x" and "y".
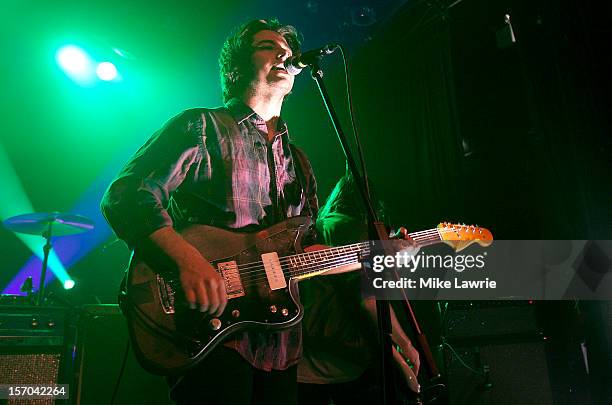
{"x": 135, "y": 204}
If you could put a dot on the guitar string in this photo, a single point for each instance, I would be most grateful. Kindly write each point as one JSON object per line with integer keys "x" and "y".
{"x": 314, "y": 266}
{"x": 430, "y": 232}
{"x": 358, "y": 246}
{"x": 333, "y": 257}
{"x": 326, "y": 258}
{"x": 426, "y": 236}
{"x": 305, "y": 268}
{"x": 313, "y": 256}
{"x": 257, "y": 266}
{"x": 312, "y": 269}
{"x": 308, "y": 268}
{"x": 350, "y": 259}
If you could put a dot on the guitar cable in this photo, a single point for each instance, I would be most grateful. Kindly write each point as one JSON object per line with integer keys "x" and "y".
{"x": 463, "y": 363}
{"x": 121, "y": 371}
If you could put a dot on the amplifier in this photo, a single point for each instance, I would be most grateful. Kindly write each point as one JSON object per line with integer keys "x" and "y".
{"x": 32, "y": 326}
{"x": 526, "y": 373}
{"x": 491, "y": 320}
{"x": 513, "y": 352}
{"x": 35, "y": 346}
{"x": 14, "y": 299}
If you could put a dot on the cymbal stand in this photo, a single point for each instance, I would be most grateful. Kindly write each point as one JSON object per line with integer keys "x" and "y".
{"x": 40, "y": 297}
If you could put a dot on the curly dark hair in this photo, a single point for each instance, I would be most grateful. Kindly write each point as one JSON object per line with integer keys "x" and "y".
{"x": 235, "y": 65}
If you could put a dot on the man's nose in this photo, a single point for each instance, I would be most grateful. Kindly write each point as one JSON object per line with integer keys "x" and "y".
{"x": 283, "y": 55}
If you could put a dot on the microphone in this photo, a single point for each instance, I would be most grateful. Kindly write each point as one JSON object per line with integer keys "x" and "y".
{"x": 295, "y": 64}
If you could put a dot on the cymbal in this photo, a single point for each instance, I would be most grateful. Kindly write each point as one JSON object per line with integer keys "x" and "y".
{"x": 37, "y": 223}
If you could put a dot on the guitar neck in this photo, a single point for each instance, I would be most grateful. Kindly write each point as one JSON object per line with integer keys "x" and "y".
{"x": 306, "y": 265}
{"x": 426, "y": 238}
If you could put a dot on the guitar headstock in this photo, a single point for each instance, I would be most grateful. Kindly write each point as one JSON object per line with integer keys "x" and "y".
{"x": 460, "y": 236}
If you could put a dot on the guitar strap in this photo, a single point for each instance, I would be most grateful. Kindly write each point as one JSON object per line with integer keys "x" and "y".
{"x": 301, "y": 168}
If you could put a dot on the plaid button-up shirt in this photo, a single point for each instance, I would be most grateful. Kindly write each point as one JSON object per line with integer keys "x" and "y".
{"x": 217, "y": 167}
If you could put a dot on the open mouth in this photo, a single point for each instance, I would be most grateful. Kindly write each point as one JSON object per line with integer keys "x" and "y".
{"x": 279, "y": 68}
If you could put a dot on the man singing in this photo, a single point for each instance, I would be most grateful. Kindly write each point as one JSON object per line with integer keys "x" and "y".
{"x": 230, "y": 167}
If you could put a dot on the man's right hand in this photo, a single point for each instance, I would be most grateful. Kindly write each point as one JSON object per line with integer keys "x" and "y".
{"x": 203, "y": 287}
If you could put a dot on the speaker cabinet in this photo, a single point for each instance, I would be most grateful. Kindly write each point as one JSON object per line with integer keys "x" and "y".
{"x": 516, "y": 372}
{"x": 514, "y": 352}
{"x": 35, "y": 347}
{"x": 499, "y": 374}
{"x": 102, "y": 345}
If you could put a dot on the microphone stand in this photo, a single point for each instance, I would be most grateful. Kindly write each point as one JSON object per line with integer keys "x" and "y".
{"x": 377, "y": 231}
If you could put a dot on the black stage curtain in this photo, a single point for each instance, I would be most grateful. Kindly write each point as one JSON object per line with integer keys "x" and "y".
{"x": 460, "y": 125}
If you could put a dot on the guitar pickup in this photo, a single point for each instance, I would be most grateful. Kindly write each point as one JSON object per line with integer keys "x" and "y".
{"x": 274, "y": 271}
{"x": 166, "y": 295}
{"x": 231, "y": 277}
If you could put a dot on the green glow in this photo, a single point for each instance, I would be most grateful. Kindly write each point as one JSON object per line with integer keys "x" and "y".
{"x": 16, "y": 202}
{"x": 106, "y": 71}
{"x": 75, "y": 62}
{"x": 68, "y": 284}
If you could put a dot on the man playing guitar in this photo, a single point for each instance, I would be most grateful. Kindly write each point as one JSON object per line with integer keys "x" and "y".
{"x": 231, "y": 167}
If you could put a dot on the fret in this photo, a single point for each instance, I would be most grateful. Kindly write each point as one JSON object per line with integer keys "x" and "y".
{"x": 312, "y": 262}
{"x": 326, "y": 259}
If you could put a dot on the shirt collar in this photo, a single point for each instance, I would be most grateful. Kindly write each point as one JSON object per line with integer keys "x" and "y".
{"x": 241, "y": 112}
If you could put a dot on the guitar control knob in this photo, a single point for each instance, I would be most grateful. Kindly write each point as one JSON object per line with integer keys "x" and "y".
{"x": 285, "y": 311}
{"x": 235, "y": 313}
{"x": 273, "y": 309}
{"x": 215, "y": 324}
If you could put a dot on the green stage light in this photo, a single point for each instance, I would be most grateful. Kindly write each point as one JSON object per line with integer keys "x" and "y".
{"x": 106, "y": 71}
{"x": 68, "y": 284}
{"x": 76, "y": 63}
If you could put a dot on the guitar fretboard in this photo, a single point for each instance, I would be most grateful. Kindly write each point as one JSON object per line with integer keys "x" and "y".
{"x": 321, "y": 260}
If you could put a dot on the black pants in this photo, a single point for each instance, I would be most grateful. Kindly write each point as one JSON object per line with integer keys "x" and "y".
{"x": 225, "y": 378}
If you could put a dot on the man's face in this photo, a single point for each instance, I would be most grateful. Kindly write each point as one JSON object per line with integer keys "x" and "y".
{"x": 270, "y": 51}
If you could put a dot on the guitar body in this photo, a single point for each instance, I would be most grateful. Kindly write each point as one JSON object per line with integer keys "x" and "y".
{"x": 169, "y": 338}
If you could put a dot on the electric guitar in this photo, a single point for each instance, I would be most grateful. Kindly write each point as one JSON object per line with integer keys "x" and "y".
{"x": 260, "y": 270}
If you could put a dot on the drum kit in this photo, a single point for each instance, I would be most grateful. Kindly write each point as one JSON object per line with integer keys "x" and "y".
{"x": 48, "y": 225}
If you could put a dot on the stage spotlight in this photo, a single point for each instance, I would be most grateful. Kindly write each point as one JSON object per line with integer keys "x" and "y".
{"x": 68, "y": 284}
{"x": 106, "y": 71}
{"x": 75, "y": 62}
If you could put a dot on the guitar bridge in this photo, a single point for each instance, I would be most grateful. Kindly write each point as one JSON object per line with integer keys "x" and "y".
{"x": 231, "y": 276}
{"x": 166, "y": 295}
